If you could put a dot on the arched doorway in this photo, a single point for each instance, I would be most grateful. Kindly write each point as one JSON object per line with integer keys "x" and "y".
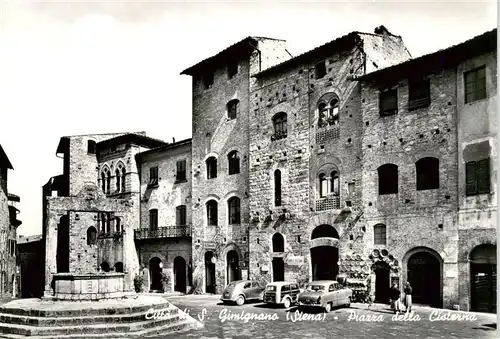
{"x": 424, "y": 275}
{"x": 233, "y": 266}
{"x": 278, "y": 269}
{"x": 382, "y": 282}
{"x": 180, "y": 274}
{"x": 119, "y": 267}
{"x": 105, "y": 266}
{"x": 62, "y": 256}
{"x": 155, "y": 272}
{"x": 483, "y": 278}
{"x": 209, "y": 272}
{"x": 324, "y": 258}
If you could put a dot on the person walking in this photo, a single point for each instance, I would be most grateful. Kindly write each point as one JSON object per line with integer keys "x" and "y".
{"x": 395, "y": 295}
{"x": 408, "y": 302}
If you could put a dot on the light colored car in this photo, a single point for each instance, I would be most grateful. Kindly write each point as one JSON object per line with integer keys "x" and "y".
{"x": 325, "y": 294}
{"x": 241, "y": 291}
{"x": 281, "y": 293}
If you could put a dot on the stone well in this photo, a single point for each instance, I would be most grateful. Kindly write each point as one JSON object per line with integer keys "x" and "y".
{"x": 95, "y": 286}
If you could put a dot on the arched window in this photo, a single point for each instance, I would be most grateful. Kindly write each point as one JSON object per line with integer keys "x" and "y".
{"x": 105, "y": 220}
{"x": 233, "y": 109}
{"x": 328, "y": 184}
{"x": 323, "y": 185}
{"x": 278, "y": 243}
{"x": 233, "y": 160}
{"x": 91, "y": 147}
{"x": 211, "y": 168}
{"x": 233, "y": 206}
{"x": 277, "y": 188}
{"x": 120, "y": 178}
{"x": 334, "y": 183}
{"x": 388, "y": 179}
{"x": 280, "y": 126}
{"x": 105, "y": 180}
{"x": 379, "y": 234}
{"x": 212, "y": 215}
{"x": 119, "y": 267}
{"x": 91, "y": 236}
{"x": 427, "y": 173}
{"x": 328, "y": 110}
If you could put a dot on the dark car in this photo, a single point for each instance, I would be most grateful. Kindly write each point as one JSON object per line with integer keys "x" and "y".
{"x": 242, "y": 290}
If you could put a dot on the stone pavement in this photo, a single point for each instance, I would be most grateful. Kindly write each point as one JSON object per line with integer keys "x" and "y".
{"x": 359, "y": 321}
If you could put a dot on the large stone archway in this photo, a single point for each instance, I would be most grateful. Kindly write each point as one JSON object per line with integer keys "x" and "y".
{"x": 180, "y": 282}
{"x": 324, "y": 253}
{"x": 423, "y": 269}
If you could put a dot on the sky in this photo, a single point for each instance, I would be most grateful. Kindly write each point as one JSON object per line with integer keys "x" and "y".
{"x": 71, "y": 68}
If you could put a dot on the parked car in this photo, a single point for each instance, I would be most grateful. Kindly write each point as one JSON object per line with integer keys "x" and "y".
{"x": 241, "y": 291}
{"x": 325, "y": 294}
{"x": 281, "y": 293}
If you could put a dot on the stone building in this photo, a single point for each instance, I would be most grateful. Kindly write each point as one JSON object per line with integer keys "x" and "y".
{"x": 429, "y": 150}
{"x": 93, "y": 208}
{"x": 9, "y": 278}
{"x": 220, "y": 159}
{"x": 164, "y": 240}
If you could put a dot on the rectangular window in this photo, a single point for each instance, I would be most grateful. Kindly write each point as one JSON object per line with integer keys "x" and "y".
{"x": 477, "y": 176}
{"x": 475, "y": 84}
{"x": 153, "y": 176}
{"x": 388, "y": 102}
{"x": 418, "y": 94}
{"x": 379, "y": 236}
{"x": 180, "y": 215}
{"x": 232, "y": 70}
{"x": 181, "y": 170}
{"x": 153, "y": 219}
{"x": 208, "y": 80}
{"x": 320, "y": 69}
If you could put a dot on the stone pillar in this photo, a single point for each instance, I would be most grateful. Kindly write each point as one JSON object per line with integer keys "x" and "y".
{"x": 51, "y": 251}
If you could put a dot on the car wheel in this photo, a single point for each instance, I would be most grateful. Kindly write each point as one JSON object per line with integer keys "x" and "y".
{"x": 348, "y": 302}
{"x": 328, "y": 307}
{"x": 287, "y": 303}
{"x": 240, "y": 300}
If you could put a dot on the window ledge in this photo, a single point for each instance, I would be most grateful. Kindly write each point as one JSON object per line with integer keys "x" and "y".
{"x": 180, "y": 181}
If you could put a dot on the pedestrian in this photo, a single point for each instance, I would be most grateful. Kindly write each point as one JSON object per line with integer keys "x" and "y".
{"x": 408, "y": 290}
{"x": 395, "y": 295}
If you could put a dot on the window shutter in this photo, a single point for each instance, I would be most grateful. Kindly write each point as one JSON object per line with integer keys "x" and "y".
{"x": 178, "y": 216}
{"x": 470, "y": 178}
{"x": 483, "y": 176}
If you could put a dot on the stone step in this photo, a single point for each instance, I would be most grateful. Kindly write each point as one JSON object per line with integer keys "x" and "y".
{"x": 163, "y": 330}
{"x": 82, "y": 312}
{"x": 80, "y": 320}
{"x": 101, "y": 328}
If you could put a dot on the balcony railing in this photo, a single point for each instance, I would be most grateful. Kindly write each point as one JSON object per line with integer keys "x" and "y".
{"x": 328, "y": 203}
{"x": 163, "y": 232}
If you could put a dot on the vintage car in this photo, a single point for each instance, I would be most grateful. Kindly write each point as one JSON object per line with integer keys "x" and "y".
{"x": 281, "y": 293}
{"x": 242, "y": 290}
{"x": 326, "y": 294}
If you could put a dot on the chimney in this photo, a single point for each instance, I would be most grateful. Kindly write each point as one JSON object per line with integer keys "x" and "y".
{"x": 382, "y": 30}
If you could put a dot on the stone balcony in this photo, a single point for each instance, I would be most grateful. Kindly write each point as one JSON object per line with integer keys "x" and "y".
{"x": 163, "y": 232}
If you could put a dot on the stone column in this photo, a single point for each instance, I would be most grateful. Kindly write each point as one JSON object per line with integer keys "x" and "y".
{"x": 51, "y": 251}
